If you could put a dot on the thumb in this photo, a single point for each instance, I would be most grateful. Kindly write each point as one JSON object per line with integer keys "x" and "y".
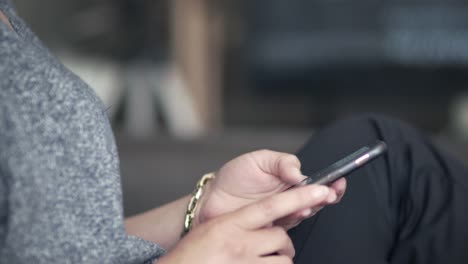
{"x": 287, "y": 167}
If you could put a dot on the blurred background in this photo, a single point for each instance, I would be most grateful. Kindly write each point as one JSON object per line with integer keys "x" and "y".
{"x": 192, "y": 84}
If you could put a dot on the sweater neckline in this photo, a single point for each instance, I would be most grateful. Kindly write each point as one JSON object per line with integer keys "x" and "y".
{"x": 6, "y": 10}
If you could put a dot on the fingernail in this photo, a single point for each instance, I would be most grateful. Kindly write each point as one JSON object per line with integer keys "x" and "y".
{"x": 307, "y": 213}
{"x": 339, "y": 193}
{"x": 320, "y": 191}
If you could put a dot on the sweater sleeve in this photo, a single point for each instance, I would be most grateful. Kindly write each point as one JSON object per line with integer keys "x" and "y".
{"x": 59, "y": 171}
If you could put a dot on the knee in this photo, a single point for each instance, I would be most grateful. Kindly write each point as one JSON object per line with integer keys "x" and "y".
{"x": 370, "y": 127}
{"x": 362, "y": 128}
{"x": 377, "y": 123}
{"x": 343, "y": 137}
{"x": 348, "y": 134}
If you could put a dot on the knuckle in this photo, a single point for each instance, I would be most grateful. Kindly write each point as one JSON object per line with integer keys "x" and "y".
{"x": 283, "y": 238}
{"x": 286, "y": 239}
{"x": 288, "y": 166}
{"x": 235, "y": 249}
{"x": 267, "y": 208}
{"x": 291, "y": 158}
{"x": 263, "y": 151}
{"x": 291, "y": 247}
{"x": 280, "y": 232}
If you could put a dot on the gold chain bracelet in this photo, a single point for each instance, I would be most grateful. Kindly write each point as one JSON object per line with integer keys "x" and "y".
{"x": 192, "y": 205}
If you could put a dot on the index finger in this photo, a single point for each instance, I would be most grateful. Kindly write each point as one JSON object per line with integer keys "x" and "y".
{"x": 266, "y": 211}
{"x": 340, "y": 188}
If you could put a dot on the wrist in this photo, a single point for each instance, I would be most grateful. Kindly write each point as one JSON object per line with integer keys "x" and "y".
{"x": 201, "y": 210}
{"x": 193, "y": 207}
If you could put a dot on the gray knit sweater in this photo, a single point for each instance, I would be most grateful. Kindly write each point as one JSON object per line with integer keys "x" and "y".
{"x": 60, "y": 193}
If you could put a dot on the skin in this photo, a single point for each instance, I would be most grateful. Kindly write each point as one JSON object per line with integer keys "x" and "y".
{"x": 242, "y": 216}
{"x": 5, "y": 20}
{"x": 247, "y": 235}
{"x": 247, "y": 204}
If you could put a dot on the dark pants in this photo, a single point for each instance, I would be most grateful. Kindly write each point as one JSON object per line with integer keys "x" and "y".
{"x": 410, "y": 206}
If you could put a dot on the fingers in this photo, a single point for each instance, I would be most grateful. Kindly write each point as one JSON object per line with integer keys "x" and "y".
{"x": 337, "y": 190}
{"x": 286, "y": 166}
{"x": 339, "y": 187}
{"x": 266, "y": 211}
{"x": 296, "y": 218}
{"x": 269, "y": 241}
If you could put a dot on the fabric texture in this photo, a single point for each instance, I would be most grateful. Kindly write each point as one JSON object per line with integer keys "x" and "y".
{"x": 60, "y": 193}
{"x": 408, "y": 206}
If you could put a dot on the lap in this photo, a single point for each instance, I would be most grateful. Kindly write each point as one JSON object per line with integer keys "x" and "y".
{"x": 397, "y": 208}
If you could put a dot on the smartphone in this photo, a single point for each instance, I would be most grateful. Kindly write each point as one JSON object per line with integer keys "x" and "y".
{"x": 346, "y": 165}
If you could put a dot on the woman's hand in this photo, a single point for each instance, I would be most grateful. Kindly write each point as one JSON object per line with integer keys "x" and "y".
{"x": 247, "y": 235}
{"x": 254, "y": 176}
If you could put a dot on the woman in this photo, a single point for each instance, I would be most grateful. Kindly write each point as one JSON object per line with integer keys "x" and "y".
{"x": 60, "y": 198}
{"x": 60, "y": 183}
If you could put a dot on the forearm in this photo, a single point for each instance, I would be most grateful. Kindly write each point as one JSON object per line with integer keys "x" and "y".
{"x": 162, "y": 225}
